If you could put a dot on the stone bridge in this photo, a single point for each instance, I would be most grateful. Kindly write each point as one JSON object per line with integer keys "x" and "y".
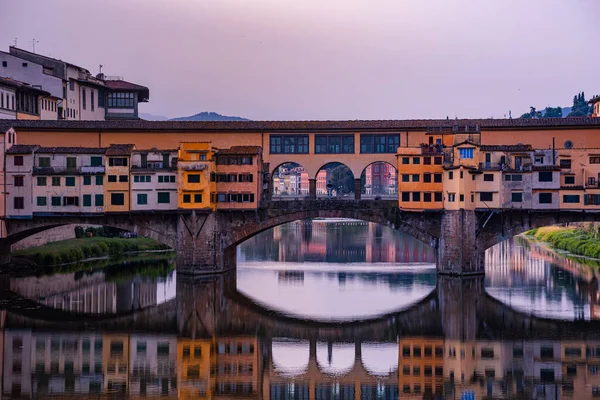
{"x": 205, "y": 241}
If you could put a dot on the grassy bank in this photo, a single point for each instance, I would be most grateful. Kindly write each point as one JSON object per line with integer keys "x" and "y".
{"x": 73, "y": 250}
{"x": 583, "y": 241}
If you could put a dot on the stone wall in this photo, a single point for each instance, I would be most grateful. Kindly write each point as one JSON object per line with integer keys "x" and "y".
{"x": 51, "y": 235}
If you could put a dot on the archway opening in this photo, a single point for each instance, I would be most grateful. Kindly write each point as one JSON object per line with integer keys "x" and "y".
{"x": 289, "y": 182}
{"x": 379, "y": 180}
{"x": 335, "y": 181}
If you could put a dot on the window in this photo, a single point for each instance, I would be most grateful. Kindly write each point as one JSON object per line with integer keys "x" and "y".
{"x": 451, "y": 197}
{"x": 87, "y": 200}
{"x": 569, "y": 179}
{"x": 405, "y": 178}
{"x": 41, "y": 201}
{"x": 486, "y": 196}
{"x": 539, "y": 160}
{"x": 71, "y": 84}
{"x": 87, "y": 180}
{"x": 427, "y": 178}
{"x": 405, "y": 160}
{"x": 19, "y": 203}
{"x": 416, "y": 160}
{"x": 164, "y": 197}
{"x": 96, "y": 161}
{"x": 518, "y": 352}
{"x": 4, "y": 64}
{"x": 117, "y": 161}
{"x": 197, "y": 198}
{"x": 516, "y": 197}
{"x": 117, "y": 199}
{"x": 99, "y": 200}
{"x": 594, "y": 160}
{"x": 572, "y": 351}
{"x": 427, "y": 197}
{"x": 591, "y": 181}
{"x": 461, "y": 197}
{"x": 99, "y": 180}
{"x": 18, "y": 161}
{"x": 123, "y": 178}
{"x": 289, "y": 144}
{"x": 426, "y": 160}
{"x": 437, "y": 178}
{"x": 70, "y": 181}
{"x": 187, "y": 198}
{"x": 405, "y": 196}
{"x": 379, "y": 143}
{"x": 416, "y": 177}
{"x": 55, "y": 201}
{"x": 416, "y": 196}
{"x": 437, "y": 196}
{"x": 545, "y": 198}
{"x": 487, "y": 353}
{"x": 466, "y": 152}
{"x": 92, "y": 99}
{"x": 142, "y": 198}
{"x": 70, "y": 201}
{"x": 461, "y": 174}
{"x": 56, "y": 181}
{"x": 451, "y": 175}
{"x": 488, "y": 177}
{"x": 571, "y": 198}
{"x": 120, "y": 100}
{"x": 112, "y": 178}
{"x": 193, "y": 178}
{"x": 545, "y": 176}
{"x": 44, "y": 162}
{"x": 565, "y": 163}
{"x": 18, "y": 180}
{"x": 331, "y": 144}
{"x": 83, "y": 98}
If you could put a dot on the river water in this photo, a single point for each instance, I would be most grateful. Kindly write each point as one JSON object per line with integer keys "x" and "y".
{"x": 317, "y": 309}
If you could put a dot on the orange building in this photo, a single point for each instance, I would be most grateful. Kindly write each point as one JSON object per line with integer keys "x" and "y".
{"x": 196, "y": 363}
{"x": 420, "y": 171}
{"x": 421, "y": 367}
{"x": 196, "y": 175}
{"x": 117, "y": 186}
{"x": 238, "y": 177}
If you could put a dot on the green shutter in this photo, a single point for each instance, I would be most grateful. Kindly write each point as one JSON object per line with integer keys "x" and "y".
{"x": 87, "y": 200}
{"x": 164, "y": 197}
{"x": 142, "y": 198}
{"x": 99, "y": 180}
{"x": 96, "y": 161}
{"x": 41, "y": 181}
{"x": 99, "y": 200}
{"x": 87, "y": 180}
{"x": 55, "y": 201}
{"x": 41, "y": 201}
{"x": 70, "y": 181}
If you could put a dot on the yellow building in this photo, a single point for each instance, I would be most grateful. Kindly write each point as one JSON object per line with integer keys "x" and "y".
{"x": 196, "y": 363}
{"x": 117, "y": 188}
{"x": 420, "y": 172}
{"x": 420, "y": 367}
{"x": 115, "y": 359}
{"x": 195, "y": 172}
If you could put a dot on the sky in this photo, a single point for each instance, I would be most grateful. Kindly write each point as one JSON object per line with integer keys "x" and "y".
{"x": 326, "y": 59}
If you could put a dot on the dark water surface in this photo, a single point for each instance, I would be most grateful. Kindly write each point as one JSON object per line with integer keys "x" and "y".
{"x": 322, "y": 309}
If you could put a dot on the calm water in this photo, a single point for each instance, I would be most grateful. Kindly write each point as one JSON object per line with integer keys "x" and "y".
{"x": 316, "y": 310}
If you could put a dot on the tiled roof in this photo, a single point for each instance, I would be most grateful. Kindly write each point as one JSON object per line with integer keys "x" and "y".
{"x": 155, "y": 150}
{"x": 22, "y": 85}
{"x": 123, "y": 85}
{"x": 545, "y": 168}
{"x": 241, "y": 150}
{"x": 71, "y": 150}
{"x": 273, "y": 126}
{"x": 22, "y": 149}
{"x": 594, "y": 100}
{"x": 120, "y": 149}
{"x": 516, "y": 147}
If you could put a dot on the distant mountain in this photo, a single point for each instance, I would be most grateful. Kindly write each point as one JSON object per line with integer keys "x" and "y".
{"x": 152, "y": 117}
{"x": 209, "y": 116}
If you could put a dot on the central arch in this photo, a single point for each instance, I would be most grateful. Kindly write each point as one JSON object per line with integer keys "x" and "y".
{"x": 335, "y": 180}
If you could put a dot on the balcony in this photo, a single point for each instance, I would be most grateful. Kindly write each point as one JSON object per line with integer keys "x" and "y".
{"x": 488, "y": 166}
{"x": 432, "y": 149}
{"x": 86, "y": 170}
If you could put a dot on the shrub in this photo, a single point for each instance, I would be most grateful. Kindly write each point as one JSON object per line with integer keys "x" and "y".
{"x": 87, "y": 251}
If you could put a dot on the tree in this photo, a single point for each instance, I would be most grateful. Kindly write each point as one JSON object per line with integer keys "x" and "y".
{"x": 580, "y": 108}
{"x": 553, "y": 112}
{"x": 341, "y": 178}
{"x": 532, "y": 113}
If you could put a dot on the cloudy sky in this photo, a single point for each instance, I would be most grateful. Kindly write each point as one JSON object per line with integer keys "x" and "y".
{"x": 326, "y": 59}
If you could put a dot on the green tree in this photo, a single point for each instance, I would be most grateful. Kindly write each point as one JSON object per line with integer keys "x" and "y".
{"x": 580, "y": 108}
{"x": 532, "y": 113}
{"x": 341, "y": 178}
{"x": 553, "y": 112}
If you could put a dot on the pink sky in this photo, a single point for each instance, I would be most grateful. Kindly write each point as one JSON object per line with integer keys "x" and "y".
{"x": 334, "y": 59}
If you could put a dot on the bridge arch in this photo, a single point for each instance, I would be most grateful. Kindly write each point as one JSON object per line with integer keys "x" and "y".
{"x": 296, "y": 186}
{"x": 379, "y": 178}
{"x": 335, "y": 179}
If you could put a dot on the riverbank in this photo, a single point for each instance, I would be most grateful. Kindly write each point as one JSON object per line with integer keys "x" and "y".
{"x": 76, "y": 250}
{"x": 582, "y": 242}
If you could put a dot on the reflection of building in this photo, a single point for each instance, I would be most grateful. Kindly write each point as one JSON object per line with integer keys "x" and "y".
{"x": 237, "y": 366}
{"x": 115, "y": 358}
{"x": 152, "y": 364}
{"x": 17, "y": 363}
{"x": 421, "y": 367}
{"x": 195, "y": 368}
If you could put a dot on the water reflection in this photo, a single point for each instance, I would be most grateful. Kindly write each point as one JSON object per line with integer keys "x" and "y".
{"x": 335, "y": 270}
{"x": 531, "y": 278}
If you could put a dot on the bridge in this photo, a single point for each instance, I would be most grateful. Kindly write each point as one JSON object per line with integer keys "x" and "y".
{"x": 205, "y": 241}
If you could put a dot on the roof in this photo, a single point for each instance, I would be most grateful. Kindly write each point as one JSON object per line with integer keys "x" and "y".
{"x": 241, "y": 150}
{"x": 120, "y": 149}
{"x": 594, "y": 100}
{"x": 18, "y": 49}
{"x": 143, "y": 91}
{"x": 22, "y": 86}
{"x": 545, "y": 168}
{"x": 515, "y": 147}
{"x": 155, "y": 150}
{"x": 71, "y": 150}
{"x": 22, "y": 149}
{"x": 467, "y": 142}
{"x": 290, "y": 126}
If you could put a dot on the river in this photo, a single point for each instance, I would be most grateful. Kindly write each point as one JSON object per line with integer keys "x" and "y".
{"x": 317, "y": 309}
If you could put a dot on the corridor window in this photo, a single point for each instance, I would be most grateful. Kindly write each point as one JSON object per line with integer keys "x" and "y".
{"x": 331, "y": 144}
{"x": 545, "y": 198}
{"x": 571, "y": 198}
{"x": 486, "y": 196}
{"x": 388, "y": 143}
{"x": 545, "y": 176}
{"x": 466, "y": 153}
{"x": 120, "y": 100}
{"x": 289, "y": 144}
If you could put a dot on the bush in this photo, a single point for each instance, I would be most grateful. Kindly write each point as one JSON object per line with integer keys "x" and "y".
{"x": 87, "y": 251}
{"x": 79, "y": 232}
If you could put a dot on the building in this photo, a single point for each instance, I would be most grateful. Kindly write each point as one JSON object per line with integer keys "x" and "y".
{"x": 238, "y": 177}
{"x": 154, "y": 179}
{"x": 196, "y": 176}
{"x": 420, "y": 177}
{"x": 118, "y": 186}
{"x": 19, "y": 176}
{"x": 196, "y": 368}
{"x": 26, "y": 102}
{"x": 421, "y": 367}
{"x": 237, "y": 367}
{"x": 595, "y": 102}
{"x": 115, "y": 360}
{"x": 153, "y": 364}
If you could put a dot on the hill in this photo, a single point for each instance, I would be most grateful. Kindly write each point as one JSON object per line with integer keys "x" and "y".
{"x": 209, "y": 116}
